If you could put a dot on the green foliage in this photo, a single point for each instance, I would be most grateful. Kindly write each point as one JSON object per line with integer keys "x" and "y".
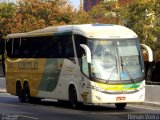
{"x": 39, "y": 14}
{"x": 7, "y": 11}
{"x": 143, "y": 18}
{"x": 81, "y": 17}
{"x": 28, "y": 15}
{"x": 105, "y": 12}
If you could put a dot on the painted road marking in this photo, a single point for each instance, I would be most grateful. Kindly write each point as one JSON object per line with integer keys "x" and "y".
{"x": 28, "y": 117}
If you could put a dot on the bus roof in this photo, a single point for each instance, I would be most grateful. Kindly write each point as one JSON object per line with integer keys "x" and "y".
{"x": 109, "y": 31}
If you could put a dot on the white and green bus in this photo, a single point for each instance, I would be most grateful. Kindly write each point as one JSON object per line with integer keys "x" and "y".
{"x": 90, "y": 63}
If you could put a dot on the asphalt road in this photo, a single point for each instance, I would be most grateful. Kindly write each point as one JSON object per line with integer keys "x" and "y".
{"x": 11, "y": 109}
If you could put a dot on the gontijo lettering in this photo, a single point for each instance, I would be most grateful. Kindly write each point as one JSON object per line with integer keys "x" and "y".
{"x": 28, "y": 65}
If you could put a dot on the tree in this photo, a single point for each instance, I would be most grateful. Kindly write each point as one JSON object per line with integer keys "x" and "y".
{"x": 143, "y": 18}
{"x": 29, "y": 15}
{"x": 105, "y": 12}
{"x": 38, "y": 14}
{"x": 7, "y": 11}
{"x": 81, "y": 17}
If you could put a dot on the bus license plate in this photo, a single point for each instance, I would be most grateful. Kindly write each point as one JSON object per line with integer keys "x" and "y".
{"x": 120, "y": 98}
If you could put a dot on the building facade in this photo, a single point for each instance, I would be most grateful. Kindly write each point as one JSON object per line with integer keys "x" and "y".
{"x": 88, "y": 4}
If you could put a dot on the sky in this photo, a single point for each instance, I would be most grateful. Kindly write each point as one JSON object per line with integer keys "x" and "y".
{"x": 75, "y": 3}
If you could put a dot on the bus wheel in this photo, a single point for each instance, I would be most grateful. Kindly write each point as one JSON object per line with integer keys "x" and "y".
{"x": 73, "y": 97}
{"x": 26, "y": 93}
{"x": 21, "y": 97}
{"x": 19, "y": 92}
{"x": 120, "y": 106}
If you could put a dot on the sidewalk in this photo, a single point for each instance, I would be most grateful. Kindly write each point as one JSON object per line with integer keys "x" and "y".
{"x": 3, "y": 91}
{"x": 147, "y": 103}
{"x": 2, "y": 85}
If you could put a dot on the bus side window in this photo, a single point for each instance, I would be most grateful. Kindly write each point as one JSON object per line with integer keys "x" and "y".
{"x": 79, "y": 40}
{"x": 53, "y": 48}
{"x": 16, "y": 48}
{"x": 69, "y": 47}
{"x": 9, "y": 47}
{"x": 65, "y": 47}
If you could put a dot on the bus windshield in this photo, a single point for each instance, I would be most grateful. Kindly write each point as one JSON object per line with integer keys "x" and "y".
{"x": 116, "y": 59}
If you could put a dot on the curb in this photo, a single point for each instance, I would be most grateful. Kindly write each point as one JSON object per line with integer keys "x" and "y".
{"x": 3, "y": 91}
{"x": 147, "y": 103}
{"x": 2, "y": 78}
{"x": 155, "y": 104}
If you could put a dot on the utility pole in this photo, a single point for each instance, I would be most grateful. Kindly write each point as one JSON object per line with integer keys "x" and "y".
{"x": 81, "y": 4}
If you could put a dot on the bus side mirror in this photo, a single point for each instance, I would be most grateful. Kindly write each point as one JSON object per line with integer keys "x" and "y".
{"x": 87, "y": 51}
{"x": 149, "y": 51}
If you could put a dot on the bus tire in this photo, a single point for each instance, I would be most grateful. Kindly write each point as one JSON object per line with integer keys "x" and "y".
{"x": 27, "y": 97}
{"x": 19, "y": 92}
{"x": 26, "y": 94}
{"x": 21, "y": 97}
{"x": 120, "y": 106}
{"x": 18, "y": 88}
{"x": 73, "y": 97}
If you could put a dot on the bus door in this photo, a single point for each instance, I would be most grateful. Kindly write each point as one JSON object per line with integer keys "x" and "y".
{"x": 81, "y": 78}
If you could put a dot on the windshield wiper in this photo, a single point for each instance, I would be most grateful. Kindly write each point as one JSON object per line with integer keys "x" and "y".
{"x": 124, "y": 68}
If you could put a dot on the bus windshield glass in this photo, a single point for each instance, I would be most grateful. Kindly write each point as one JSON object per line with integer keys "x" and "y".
{"x": 116, "y": 59}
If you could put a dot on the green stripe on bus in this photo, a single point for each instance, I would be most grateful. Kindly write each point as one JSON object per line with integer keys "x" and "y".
{"x": 51, "y": 74}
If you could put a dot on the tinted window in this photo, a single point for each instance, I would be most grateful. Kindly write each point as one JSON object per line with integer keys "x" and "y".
{"x": 9, "y": 47}
{"x": 79, "y": 40}
{"x": 41, "y": 47}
